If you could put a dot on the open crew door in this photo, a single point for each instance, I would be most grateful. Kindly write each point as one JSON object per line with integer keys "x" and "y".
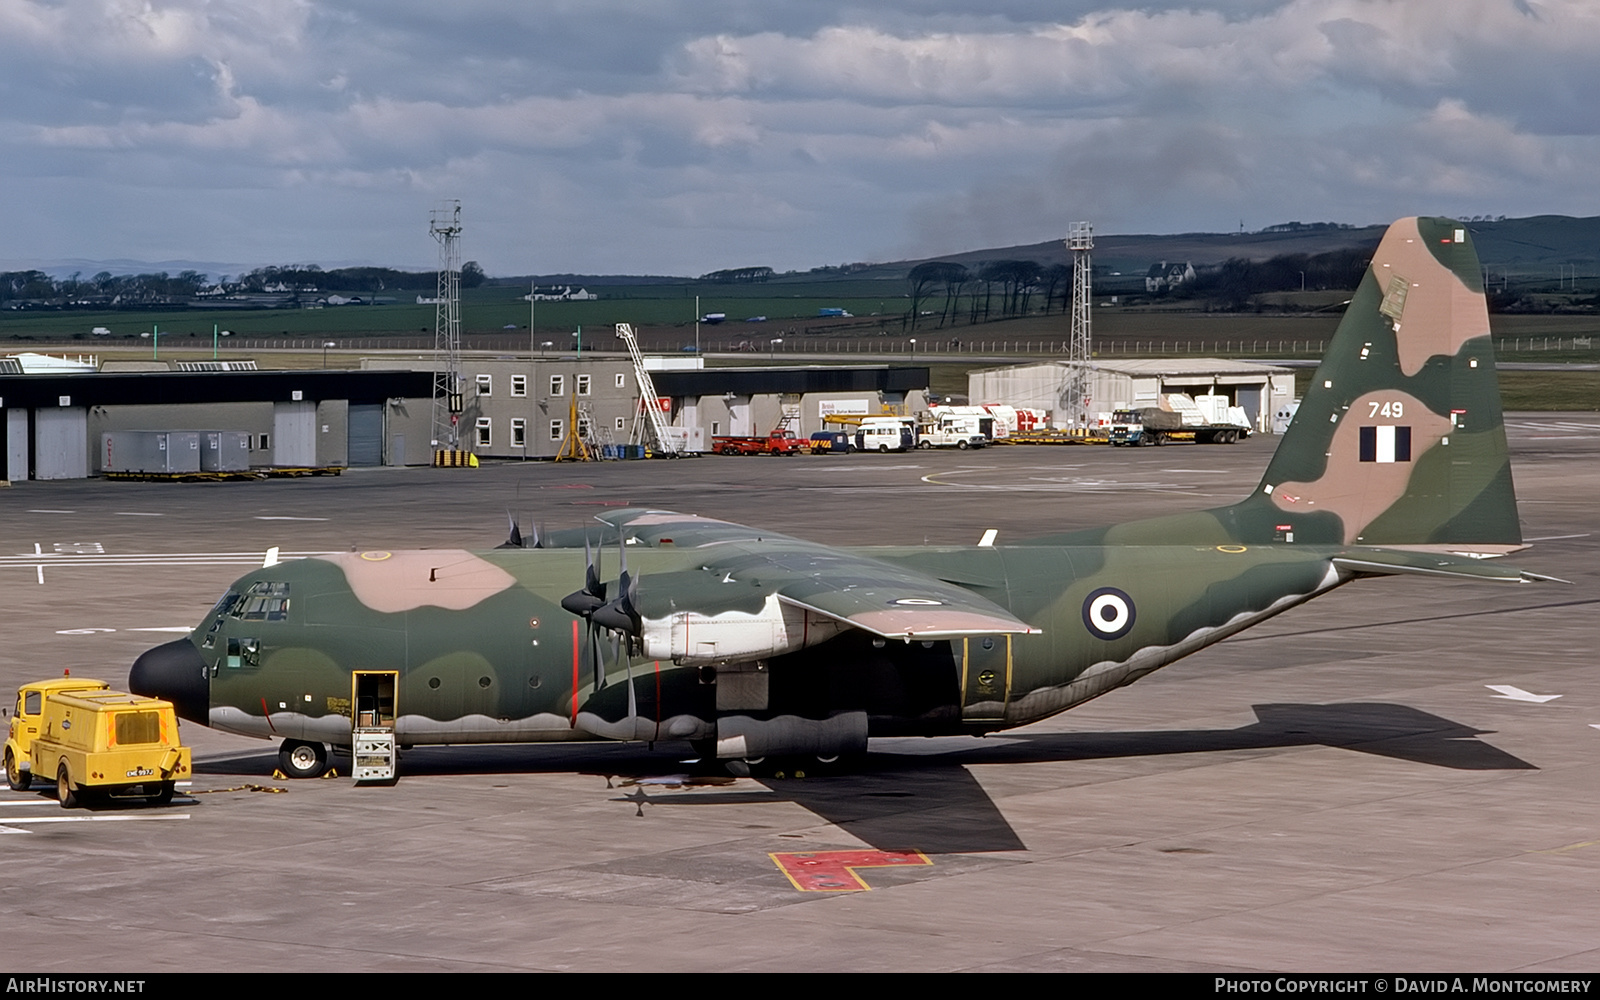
{"x": 985, "y": 677}
{"x": 373, "y": 754}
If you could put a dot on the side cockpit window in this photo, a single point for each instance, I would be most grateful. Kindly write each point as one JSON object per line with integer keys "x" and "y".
{"x": 262, "y": 602}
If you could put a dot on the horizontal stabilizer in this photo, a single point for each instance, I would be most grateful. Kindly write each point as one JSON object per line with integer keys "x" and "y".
{"x": 1387, "y": 562}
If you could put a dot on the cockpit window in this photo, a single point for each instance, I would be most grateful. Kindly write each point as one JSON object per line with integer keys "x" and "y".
{"x": 264, "y": 601}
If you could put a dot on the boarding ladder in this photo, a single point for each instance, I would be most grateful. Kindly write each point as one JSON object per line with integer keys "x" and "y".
{"x": 665, "y": 444}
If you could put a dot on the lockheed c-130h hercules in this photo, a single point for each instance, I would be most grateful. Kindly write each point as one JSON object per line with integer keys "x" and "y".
{"x": 753, "y": 645}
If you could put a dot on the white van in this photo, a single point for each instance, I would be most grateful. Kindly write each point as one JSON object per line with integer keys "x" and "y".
{"x": 886, "y": 434}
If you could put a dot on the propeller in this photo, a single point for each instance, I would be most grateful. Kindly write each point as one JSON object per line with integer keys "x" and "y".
{"x": 515, "y": 539}
{"x": 619, "y": 616}
{"x": 584, "y": 603}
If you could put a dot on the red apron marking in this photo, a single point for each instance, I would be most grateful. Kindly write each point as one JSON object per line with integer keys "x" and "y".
{"x": 834, "y": 871}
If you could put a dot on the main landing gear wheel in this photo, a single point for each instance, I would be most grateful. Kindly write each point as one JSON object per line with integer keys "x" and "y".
{"x": 299, "y": 759}
{"x": 16, "y": 777}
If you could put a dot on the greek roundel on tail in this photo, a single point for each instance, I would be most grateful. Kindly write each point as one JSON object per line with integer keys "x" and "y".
{"x": 757, "y": 646}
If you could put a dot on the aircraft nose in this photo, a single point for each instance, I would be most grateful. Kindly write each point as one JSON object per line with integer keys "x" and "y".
{"x": 174, "y": 671}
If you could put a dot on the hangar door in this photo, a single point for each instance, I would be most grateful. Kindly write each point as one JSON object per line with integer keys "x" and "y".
{"x": 17, "y": 444}
{"x": 1250, "y": 401}
{"x": 366, "y": 434}
{"x": 739, "y": 421}
{"x": 61, "y": 443}
{"x": 294, "y": 433}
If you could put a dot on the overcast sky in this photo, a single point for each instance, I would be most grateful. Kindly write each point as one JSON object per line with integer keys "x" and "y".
{"x": 680, "y": 136}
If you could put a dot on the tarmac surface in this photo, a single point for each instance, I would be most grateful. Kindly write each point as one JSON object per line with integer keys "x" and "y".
{"x": 1339, "y": 789}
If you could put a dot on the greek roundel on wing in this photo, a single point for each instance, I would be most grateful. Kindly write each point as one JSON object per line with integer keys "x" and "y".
{"x": 1108, "y": 613}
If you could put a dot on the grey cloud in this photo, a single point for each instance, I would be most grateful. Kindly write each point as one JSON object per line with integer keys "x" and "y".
{"x": 613, "y": 134}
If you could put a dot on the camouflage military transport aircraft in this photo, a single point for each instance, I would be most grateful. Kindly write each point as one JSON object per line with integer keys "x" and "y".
{"x": 753, "y": 645}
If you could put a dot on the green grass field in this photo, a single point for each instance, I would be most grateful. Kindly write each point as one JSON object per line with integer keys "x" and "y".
{"x": 664, "y": 315}
{"x": 483, "y": 310}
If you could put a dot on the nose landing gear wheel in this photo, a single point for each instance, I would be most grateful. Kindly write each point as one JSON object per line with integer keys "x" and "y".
{"x": 299, "y": 759}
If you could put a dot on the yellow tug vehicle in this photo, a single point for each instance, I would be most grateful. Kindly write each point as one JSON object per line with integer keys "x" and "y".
{"x": 95, "y": 741}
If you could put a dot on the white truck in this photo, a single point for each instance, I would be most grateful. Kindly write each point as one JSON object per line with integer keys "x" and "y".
{"x": 950, "y": 430}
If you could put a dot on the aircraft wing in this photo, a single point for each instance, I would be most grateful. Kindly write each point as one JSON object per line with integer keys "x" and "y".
{"x": 855, "y": 590}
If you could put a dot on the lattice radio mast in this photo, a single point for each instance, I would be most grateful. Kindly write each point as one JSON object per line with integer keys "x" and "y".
{"x": 1075, "y": 391}
{"x": 444, "y": 225}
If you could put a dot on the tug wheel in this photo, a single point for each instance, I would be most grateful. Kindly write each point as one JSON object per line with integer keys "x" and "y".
{"x": 16, "y": 777}
{"x": 64, "y": 793}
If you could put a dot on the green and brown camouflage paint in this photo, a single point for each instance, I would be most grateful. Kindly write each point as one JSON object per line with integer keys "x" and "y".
{"x": 1395, "y": 463}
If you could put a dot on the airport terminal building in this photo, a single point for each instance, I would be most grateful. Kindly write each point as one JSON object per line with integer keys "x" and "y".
{"x": 519, "y": 407}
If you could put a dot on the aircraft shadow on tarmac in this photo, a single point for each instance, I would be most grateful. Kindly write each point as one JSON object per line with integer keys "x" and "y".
{"x": 933, "y": 803}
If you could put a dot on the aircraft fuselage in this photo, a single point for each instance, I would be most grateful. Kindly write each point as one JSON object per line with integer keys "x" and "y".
{"x": 483, "y": 652}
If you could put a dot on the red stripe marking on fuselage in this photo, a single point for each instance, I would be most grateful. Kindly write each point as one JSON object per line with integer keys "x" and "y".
{"x": 574, "y": 672}
{"x": 268, "y": 714}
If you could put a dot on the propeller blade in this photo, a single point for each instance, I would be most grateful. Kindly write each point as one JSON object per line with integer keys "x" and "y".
{"x": 599, "y": 661}
{"x": 514, "y": 539}
{"x": 584, "y": 603}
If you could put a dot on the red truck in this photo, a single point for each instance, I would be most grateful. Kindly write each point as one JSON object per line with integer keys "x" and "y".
{"x": 781, "y": 441}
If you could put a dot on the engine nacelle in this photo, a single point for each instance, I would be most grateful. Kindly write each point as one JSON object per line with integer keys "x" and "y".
{"x": 689, "y": 637}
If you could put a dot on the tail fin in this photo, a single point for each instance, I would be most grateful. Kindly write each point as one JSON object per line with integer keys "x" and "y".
{"x": 1399, "y": 440}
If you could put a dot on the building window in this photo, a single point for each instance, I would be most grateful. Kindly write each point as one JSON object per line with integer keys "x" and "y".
{"x": 519, "y": 432}
{"x": 519, "y": 385}
{"x": 265, "y": 442}
{"x": 485, "y": 432}
{"x": 485, "y": 385}
{"x": 583, "y": 428}
{"x": 583, "y": 385}
{"x": 619, "y": 423}
{"x": 558, "y": 430}
{"x": 558, "y": 385}
{"x": 622, "y": 381}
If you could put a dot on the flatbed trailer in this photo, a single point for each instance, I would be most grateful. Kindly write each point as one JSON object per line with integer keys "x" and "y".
{"x": 776, "y": 443}
{"x": 1153, "y": 426}
{"x": 259, "y": 472}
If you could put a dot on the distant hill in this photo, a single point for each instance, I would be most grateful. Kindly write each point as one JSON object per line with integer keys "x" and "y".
{"x": 1531, "y": 247}
{"x": 1534, "y": 247}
